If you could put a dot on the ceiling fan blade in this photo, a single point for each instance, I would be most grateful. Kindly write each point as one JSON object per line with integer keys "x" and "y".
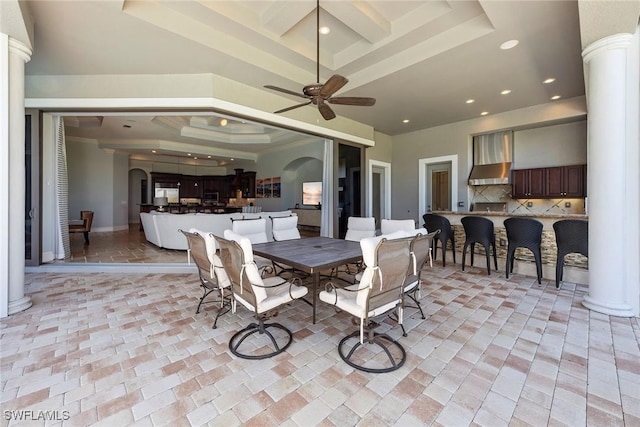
{"x": 292, "y": 107}
{"x": 352, "y": 100}
{"x": 287, "y": 91}
{"x": 326, "y": 111}
{"x": 332, "y": 85}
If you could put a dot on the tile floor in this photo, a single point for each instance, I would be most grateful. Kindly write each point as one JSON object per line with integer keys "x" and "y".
{"x": 127, "y": 349}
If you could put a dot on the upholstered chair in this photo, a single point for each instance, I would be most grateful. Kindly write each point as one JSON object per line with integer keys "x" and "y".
{"x": 261, "y": 296}
{"x": 213, "y": 279}
{"x": 379, "y": 292}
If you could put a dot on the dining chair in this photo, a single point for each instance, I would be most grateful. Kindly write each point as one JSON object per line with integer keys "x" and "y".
{"x": 446, "y": 235}
{"x": 478, "y": 229}
{"x": 420, "y": 251}
{"x": 379, "y": 292}
{"x": 201, "y": 248}
{"x": 524, "y": 233}
{"x": 261, "y": 296}
{"x": 572, "y": 236}
{"x": 85, "y": 227}
{"x": 388, "y": 226}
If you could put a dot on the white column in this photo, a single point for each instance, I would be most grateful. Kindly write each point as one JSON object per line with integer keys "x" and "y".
{"x": 607, "y": 186}
{"x": 19, "y": 54}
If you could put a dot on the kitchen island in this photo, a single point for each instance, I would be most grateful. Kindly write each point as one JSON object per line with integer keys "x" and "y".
{"x": 576, "y": 265}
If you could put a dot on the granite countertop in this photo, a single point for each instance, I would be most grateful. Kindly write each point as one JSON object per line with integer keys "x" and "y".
{"x": 510, "y": 214}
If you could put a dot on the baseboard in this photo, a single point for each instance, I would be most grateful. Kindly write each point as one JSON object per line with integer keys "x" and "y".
{"x": 109, "y": 229}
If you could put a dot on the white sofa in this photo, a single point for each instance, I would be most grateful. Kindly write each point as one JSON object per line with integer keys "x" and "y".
{"x": 163, "y": 229}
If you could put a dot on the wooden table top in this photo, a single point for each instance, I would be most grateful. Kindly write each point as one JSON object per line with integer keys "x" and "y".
{"x": 311, "y": 254}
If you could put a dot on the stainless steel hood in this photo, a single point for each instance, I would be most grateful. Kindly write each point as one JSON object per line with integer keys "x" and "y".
{"x": 492, "y": 157}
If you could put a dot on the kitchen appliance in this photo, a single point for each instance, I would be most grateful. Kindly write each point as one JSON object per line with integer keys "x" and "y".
{"x": 492, "y": 157}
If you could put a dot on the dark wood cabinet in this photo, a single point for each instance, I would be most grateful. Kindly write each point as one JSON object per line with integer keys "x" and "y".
{"x": 191, "y": 187}
{"x": 566, "y": 181}
{"x": 527, "y": 183}
{"x": 549, "y": 183}
{"x": 195, "y": 187}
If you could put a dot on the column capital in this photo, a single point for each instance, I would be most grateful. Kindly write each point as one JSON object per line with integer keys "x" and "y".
{"x": 616, "y": 41}
{"x": 20, "y": 49}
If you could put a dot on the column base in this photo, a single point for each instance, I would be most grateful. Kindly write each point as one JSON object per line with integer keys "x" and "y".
{"x": 618, "y": 310}
{"x": 19, "y": 305}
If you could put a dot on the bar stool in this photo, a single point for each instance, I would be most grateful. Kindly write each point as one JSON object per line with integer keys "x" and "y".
{"x": 572, "y": 236}
{"x": 433, "y": 222}
{"x": 524, "y": 233}
{"x": 479, "y": 230}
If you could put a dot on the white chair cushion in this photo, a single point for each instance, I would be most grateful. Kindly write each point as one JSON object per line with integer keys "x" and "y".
{"x": 348, "y": 301}
{"x": 218, "y": 269}
{"x": 392, "y": 225}
{"x": 254, "y": 229}
{"x": 250, "y": 267}
{"x": 360, "y": 228}
{"x": 285, "y": 228}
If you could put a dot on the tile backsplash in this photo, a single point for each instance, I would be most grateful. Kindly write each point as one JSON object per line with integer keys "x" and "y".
{"x": 502, "y": 194}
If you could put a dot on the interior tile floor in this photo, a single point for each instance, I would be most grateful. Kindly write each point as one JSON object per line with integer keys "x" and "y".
{"x": 127, "y": 349}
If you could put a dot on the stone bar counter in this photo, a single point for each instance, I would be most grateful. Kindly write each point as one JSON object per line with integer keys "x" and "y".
{"x": 576, "y": 265}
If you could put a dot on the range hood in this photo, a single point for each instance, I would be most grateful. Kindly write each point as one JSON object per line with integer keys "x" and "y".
{"x": 492, "y": 157}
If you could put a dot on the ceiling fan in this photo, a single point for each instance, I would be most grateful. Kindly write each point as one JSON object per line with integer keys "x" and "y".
{"x": 320, "y": 94}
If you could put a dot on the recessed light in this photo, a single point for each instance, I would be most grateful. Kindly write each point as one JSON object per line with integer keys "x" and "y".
{"x": 195, "y": 158}
{"x": 484, "y": 113}
{"x": 405, "y": 121}
{"x": 554, "y": 97}
{"x": 154, "y": 151}
{"x": 188, "y": 154}
{"x": 223, "y": 122}
{"x": 549, "y": 80}
{"x": 325, "y": 30}
{"x": 470, "y": 101}
{"x": 208, "y": 157}
{"x": 505, "y": 92}
{"x": 509, "y": 44}
{"x": 232, "y": 159}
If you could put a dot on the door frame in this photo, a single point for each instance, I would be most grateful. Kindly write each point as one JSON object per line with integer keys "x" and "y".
{"x": 422, "y": 181}
{"x": 386, "y": 185}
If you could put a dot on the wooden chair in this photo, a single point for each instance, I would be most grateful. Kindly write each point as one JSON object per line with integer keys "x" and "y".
{"x": 85, "y": 227}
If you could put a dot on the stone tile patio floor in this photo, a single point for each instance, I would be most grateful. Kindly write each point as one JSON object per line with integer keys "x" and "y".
{"x": 116, "y": 350}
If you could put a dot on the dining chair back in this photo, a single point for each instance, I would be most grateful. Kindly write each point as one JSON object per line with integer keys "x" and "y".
{"x": 358, "y": 228}
{"x": 572, "y": 236}
{"x": 255, "y": 229}
{"x": 285, "y": 228}
{"x": 388, "y": 226}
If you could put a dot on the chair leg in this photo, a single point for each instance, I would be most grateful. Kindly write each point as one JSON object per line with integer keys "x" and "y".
{"x": 538, "y": 256}
{"x": 464, "y": 254}
{"x": 508, "y": 263}
{"x": 86, "y": 237}
{"x": 206, "y": 293}
{"x": 260, "y": 328}
{"x": 384, "y": 341}
{"x": 473, "y": 249}
{"x": 453, "y": 250}
{"x": 487, "y": 252}
{"x": 559, "y": 268}
{"x": 495, "y": 256}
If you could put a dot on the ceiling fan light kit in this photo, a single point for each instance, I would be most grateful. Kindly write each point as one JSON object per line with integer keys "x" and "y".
{"x": 320, "y": 94}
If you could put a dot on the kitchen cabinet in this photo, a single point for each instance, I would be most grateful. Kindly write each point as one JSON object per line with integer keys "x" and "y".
{"x": 549, "y": 183}
{"x": 566, "y": 181}
{"x": 528, "y": 183}
{"x": 190, "y": 187}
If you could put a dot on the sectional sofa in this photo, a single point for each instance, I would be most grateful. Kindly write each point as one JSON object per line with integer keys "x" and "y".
{"x": 163, "y": 229}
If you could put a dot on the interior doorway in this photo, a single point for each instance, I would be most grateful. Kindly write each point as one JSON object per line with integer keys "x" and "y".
{"x": 439, "y": 187}
{"x": 437, "y": 184}
{"x": 349, "y": 184}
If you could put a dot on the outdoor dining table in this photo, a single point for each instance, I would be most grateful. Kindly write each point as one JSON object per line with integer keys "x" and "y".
{"x": 311, "y": 255}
